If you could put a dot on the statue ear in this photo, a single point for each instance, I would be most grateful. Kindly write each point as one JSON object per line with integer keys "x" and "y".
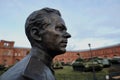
{"x": 35, "y": 33}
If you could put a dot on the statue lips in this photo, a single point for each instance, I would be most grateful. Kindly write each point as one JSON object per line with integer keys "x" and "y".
{"x": 64, "y": 43}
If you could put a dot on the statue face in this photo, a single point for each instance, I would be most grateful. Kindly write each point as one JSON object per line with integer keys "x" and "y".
{"x": 55, "y": 37}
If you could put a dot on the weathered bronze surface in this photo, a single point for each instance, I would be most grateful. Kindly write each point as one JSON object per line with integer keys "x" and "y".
{"x": 48, "y": 36}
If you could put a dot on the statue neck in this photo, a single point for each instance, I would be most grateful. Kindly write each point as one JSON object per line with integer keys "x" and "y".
{"x": 41, "y": 55}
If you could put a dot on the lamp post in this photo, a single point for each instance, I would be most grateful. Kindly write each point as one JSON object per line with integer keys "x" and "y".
{"x": 93, "y": 68}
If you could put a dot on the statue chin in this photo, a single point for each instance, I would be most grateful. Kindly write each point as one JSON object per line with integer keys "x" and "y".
{"x": 62, "y": 51}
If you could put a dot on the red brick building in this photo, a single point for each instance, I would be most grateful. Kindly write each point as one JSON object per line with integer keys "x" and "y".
{"x": 9, "y": 54}
{"x": 71, "y": 56}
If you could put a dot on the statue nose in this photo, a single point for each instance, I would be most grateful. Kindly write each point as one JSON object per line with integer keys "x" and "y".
{"x": 67, "y": 35}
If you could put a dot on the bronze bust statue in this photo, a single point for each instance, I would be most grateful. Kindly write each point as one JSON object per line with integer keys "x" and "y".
{"x": 47, "y": 33}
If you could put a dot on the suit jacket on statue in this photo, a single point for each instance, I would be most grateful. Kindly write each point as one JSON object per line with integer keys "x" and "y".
{"x": 35, "y": 66}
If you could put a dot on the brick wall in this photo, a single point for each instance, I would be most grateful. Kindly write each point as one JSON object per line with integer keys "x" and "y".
{"x": 71, "y": 56}
{"x": 9, "y": 54}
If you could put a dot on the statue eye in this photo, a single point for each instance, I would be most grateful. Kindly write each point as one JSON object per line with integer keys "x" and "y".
{"x": 60, "y": 28}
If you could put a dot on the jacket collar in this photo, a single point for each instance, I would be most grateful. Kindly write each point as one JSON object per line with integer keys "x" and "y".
{"x": 38, "y": 60}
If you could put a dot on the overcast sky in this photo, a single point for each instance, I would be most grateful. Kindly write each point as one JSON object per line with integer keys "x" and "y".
{"x": 88, "y": 21}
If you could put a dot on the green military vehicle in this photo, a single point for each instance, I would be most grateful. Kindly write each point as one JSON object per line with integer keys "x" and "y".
{"x": 78, "y": 64}
{"x": 57, "y": 65}
{"x": 86, "y": 65}
{"x": 104, "y": 61}
{"x": 115, "y": 60}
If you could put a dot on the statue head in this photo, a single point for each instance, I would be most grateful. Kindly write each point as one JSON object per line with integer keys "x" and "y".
{"x": 46, "y": 29}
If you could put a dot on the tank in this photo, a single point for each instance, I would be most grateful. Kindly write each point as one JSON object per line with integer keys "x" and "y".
{"x": 104, "y": 61}
{"x": 78, "y": 65}
{"x": 93, "y": 63}
{"x": 57, "y": 65}
{"x": 115, "y": 60}
{"x": 86, "y": 65}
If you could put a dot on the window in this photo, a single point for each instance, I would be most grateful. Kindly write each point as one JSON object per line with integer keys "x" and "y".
{"x": 15, "y": 54}
{"x": 19, "y": 54}
{"x": 6, "y": 44}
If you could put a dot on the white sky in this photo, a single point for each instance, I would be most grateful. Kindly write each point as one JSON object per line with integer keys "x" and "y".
{"x": 88, "y": 21}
